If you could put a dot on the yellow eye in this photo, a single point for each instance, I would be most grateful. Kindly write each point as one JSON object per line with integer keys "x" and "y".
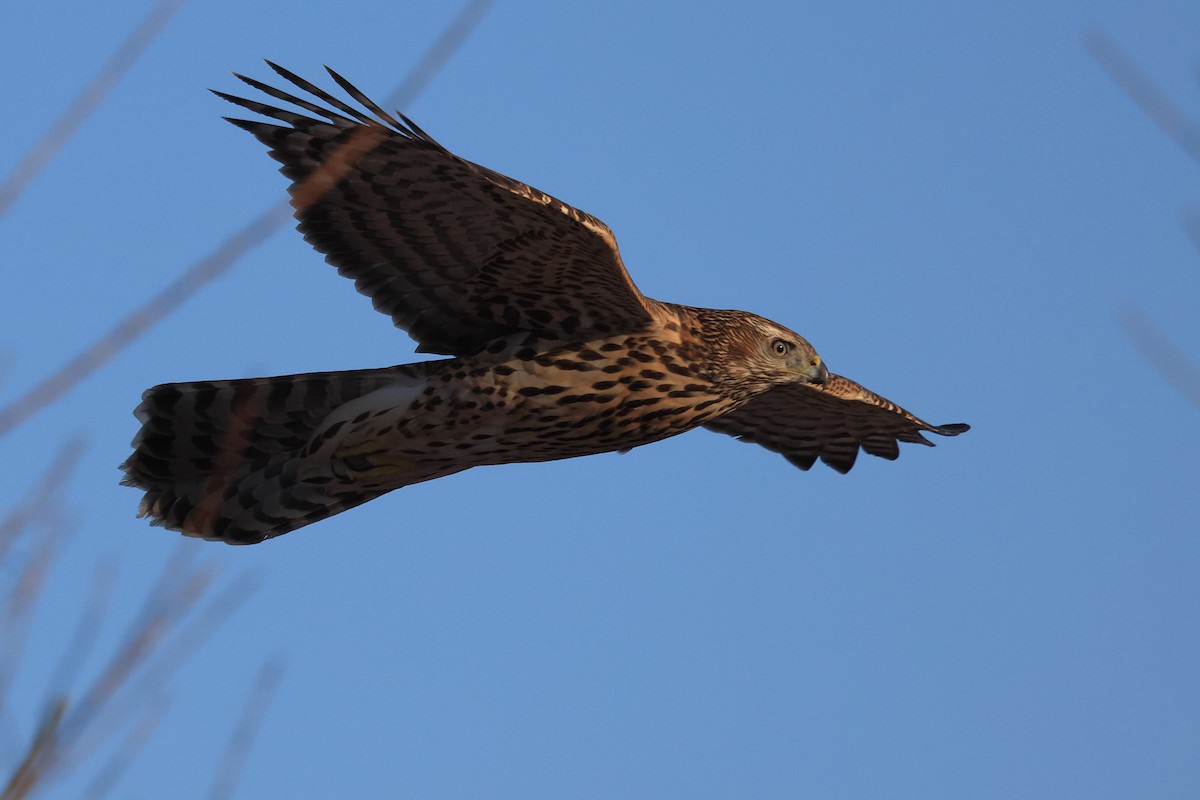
{"x": 780, "y": 347}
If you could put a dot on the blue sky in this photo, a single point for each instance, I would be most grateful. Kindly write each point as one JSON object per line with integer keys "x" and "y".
{"x": 951, "y": 201}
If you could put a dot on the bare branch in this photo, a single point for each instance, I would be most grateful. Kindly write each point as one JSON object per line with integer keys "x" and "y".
{"x": 118, "y": 702}
{"x": 36, "y": 511}
{"x": 127, "y": 690}
{"x": 21, "y": 600}
{"x": 134, "y": 740}
{"x": 438, "y": 54}
{"x": 247, "y": 728}
{"x": 88, "y": 101}
{"x": 40, "y": 753}
{"x": 1156, "y": 348}
{"x": 91, "y": 620}
{"x": 1191, "y": 227}
{"x": 1169, "y": 117}
{"x": 136, "y": 650}
{"x": 40, "y": 497}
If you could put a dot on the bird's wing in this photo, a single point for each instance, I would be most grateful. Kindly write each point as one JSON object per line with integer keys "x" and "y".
{"x": 457, "y": 254}
{"x": 804, "y": 422}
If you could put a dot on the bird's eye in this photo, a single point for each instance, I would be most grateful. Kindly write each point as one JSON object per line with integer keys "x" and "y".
{"x": 780, "y": 348}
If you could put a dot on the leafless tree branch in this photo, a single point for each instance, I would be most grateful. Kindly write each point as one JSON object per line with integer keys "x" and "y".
{"x": 1143, "y": 91}
{"x": 1164, "y": 356}
{"x": 88, "y": 101}
{"x": 247, "y": 728}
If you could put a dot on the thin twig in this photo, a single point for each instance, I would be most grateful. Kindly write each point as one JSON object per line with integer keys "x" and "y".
{"x": 142, "y": 318}
{"x": 435, "y": 58}
{"x": 221, "y": 259}
{"x": 123, "y": 756}
{"x": 88, "y": 100}
{"x": 176, "y": 572}
{"x": 20, "y": 602}
{"x": 87, "y": 630}
{"x": 40, "y": 754}
{"x": 1143, "y": 91}
{"x": 136, "y": 651}
{"x": 38, "y": 511}
{"x": 1191, "y": 227}
{"x": 114, "y": 699}
{"x": 86, "y": 733}
{"x": 247, "y": 729}
{"x": 40, "y": 496}
{"x": 1154, "y": 346}
{"x": 1165, "y": 357}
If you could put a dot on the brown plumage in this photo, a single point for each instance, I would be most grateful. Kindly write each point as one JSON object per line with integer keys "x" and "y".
{"x": 554, "y": 351}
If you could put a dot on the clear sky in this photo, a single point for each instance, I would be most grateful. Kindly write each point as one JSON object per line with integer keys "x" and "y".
{"x": 951, "y": 200}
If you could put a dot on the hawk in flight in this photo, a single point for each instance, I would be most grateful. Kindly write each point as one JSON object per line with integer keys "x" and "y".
{"x": 553, "y": 351}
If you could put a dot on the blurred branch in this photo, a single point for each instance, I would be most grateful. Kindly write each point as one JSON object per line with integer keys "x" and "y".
{"x": 1156, "y": 348}
{"x": 40, "y": 753}
{"x": 137, "y": 648}
{"x": 127, "y": 693}
{"x": 173, "y": 575}
{"x": 134, "y": 740}
{"x": 38, "y": 508}
{"x": 100, "y": 710}
{"x": 181, "y": 647}
{"x": 142, "y": 318}
{"x": 247, "y": 729}
{"x": 20, "y": 602}
{"x": 243, "y": 241}
{"x": 1169, "y": 117}
{"x": 435, "y": 58}
{"x": 40, "y": 496}
{"x": 87, "y": 630}
{"x": 155, "y": 646}
{"x": 88, "y": 101}
{"x": 1191, "y": 227}
{"x": 1150, "y": 341}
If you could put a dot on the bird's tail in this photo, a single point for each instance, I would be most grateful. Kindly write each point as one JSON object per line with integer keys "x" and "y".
{"x": 221, "y": 460}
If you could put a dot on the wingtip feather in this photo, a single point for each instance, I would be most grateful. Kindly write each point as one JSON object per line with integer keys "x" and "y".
{"x": 952, "y": 429}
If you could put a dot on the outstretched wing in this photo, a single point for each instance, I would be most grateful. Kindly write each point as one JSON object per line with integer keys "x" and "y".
{"x": 805, "y": 422}
{"x": 457, "y": 254}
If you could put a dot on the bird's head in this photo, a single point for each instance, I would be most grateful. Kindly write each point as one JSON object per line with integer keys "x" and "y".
{"x": 763, "y": 354}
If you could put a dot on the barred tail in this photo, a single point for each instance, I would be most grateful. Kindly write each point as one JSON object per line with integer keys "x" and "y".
{"x": 221, "y": 459}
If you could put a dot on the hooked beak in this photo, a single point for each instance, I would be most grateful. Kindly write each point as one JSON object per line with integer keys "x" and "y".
{"x": 818, "y": 374}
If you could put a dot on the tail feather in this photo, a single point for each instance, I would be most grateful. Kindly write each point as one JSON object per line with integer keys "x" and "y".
{"x": 222, "y": 459}
{"x": 246, "y": 506}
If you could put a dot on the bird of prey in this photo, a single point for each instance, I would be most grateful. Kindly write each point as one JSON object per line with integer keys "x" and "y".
{"x": 553, "y": 351}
